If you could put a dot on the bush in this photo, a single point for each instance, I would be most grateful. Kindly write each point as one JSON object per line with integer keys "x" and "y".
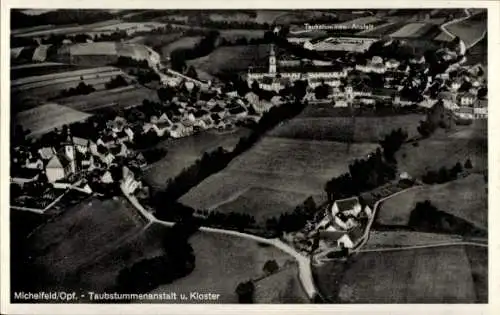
{"x": 80, "y": 89}
{"x": 245, "y": 292}
{"x": 116, "y": 82}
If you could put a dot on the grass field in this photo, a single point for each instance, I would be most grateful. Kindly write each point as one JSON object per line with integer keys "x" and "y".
{"x": 45, "y": 118}
{"x": 38, "y": 69}
{"x": 383, "y": 30}
{"x": 81, "y": 235}
{"x": 187, "y": 42}
{"x": 123, "y": 97}
{"x": 471, "y": 29}
{"x": 465, "y": 198}
{"x": 409, "y": 30}
{"x": 234, "y": 34}
{"x": 302, "y": 167}
{"x": 389, "y": 239}
{"x": 222, "y": 262}
{"x": 478, "y": 260}
{"x": 182, "y": 153}
{"x": 478, "y": 54}
{"x": 466, "y": 142}
{"x": 263, "y": 203}
{"x": 63, "y": 29}
{"x": 343, "y": 129}
{"x": 429, "y": 275}
{"x": 281, "y": 287}
{"x": 233, "y": 58}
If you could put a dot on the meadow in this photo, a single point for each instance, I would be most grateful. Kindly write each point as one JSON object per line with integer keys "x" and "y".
{"x": 222, "y": 262}
{"x": 232, "y": 58}
{"x": 45, "y": 118}
{"x": 80, "y": 237}
{"x": 470, "y": 30}
{"x": 428, "y": 275}
{"x": 288, "y": 165}
{"x": 465, "y": 198}
{"x": 448, "y": 148}
{"x": 183, "y": 152}
{"x": 346, "y": 129}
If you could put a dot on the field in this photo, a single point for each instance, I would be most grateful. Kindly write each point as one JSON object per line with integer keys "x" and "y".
{"x": 465, "y": 198}
{"x": 222, "y": 262}
{"x": 92, "y": 76}
{"x": 390, "y": 239}
{"x": 470, "y": 30}
{"x": 411, "y": 30}
{"x": 301, "y": 167}
{"x": 343, "y": 129}
{"x": 478, "y": 54}
{"x": 466, "y": 142}
{"x": 234, "y": 34}
{"x": 429, "y": 275}
{"x": 262, "y": 203}
{"x": 81, "y": 235}
{"x": 384, "y": 29}
{"x": 45, "y": 118}
{"x": 281, "y": 287}
{"x": 187, "y": 42}
{"x": 118, "y": 98}
{"x": 38, "y": 69}
{"x": 183, "y": 152}
{"x": 268, "y": 16}
{"x": 59, "y": 30}
{"x": 100, "y": 274}
{"x": 233, "y": 58}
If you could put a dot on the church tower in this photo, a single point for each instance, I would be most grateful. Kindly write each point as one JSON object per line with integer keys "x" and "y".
{"x": 272, "y": 61}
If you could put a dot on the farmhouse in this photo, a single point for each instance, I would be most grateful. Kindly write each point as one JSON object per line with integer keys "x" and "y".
{"x": 58, "y": 167}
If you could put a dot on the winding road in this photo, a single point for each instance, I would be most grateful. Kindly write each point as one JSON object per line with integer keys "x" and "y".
{"x": 305, "y": 271}
{"x": 458, "y": 20}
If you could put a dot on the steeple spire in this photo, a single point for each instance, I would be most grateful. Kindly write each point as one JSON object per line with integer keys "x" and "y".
{"x": 272, "y": 60}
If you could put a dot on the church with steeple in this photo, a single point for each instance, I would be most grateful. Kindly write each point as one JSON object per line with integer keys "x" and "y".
{"x": 281, "y": 72}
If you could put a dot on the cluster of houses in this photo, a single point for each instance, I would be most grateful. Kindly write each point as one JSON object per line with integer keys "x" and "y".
{"x": 458, "y": 86}
{"x": 62, "y": 164}
{"x": 344, "y": 223}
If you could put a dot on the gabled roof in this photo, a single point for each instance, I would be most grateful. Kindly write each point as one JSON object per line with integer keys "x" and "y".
{"x": 81, "y": 141}
{"x": 355, "y": 233}
{"x": 47, "y": 152}
{"x": 58, "y": 161}
{"x": 347, "y": 204}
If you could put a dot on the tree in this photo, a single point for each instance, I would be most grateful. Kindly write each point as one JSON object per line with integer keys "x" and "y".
{"x": 245, "y": 291}
{"x": 270, "y": 267}
{"x": 191, "y": 72}
{"x": 321, "y": 91}
{"x": 468, "y": 164}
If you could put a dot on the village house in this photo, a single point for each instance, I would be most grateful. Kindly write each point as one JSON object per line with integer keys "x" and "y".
{"x": 467, "y": 99}
{"x": 58, "y": 167}
{"x": 398, "y": 100}
{"x": 46, "y": 153}
{"x": 34, "y": 163}
{"x": 466, "y": 113}
{"x": 480, "y": 112}
{"x": 82, "y": 145}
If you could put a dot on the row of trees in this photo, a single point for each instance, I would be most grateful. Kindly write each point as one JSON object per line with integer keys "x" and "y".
{"x": 81, "y": 89}
{"x": 294, "y": 220}
{"x": 116, "y": 82}
{"x": 425, "y": 217}
{"x": 444, "y": 174}
{"x": 366, "y": 174}
{"x": 204, "y": 47}
{"x": 177, "y": 261}
{"x": 215, "y": 161}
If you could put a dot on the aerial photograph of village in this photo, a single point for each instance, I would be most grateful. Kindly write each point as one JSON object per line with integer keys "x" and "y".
{"x": 329, "y": 156}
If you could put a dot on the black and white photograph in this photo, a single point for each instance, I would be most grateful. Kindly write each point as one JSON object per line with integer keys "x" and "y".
{"x": 247, "y": 156}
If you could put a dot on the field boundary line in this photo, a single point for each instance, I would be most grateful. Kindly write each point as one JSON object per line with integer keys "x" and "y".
{"x": 388, "y": 249}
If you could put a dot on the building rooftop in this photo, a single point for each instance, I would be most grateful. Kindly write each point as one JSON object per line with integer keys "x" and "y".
{"x": 347, "y": 204}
